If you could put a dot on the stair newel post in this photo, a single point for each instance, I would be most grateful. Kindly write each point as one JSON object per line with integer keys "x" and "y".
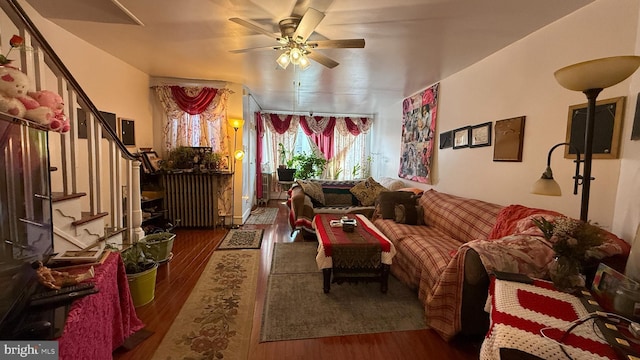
{"x": 135, "y": 204}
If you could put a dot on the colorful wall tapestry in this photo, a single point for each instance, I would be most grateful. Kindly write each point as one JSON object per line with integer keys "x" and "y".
{"x": 418, "y": 129}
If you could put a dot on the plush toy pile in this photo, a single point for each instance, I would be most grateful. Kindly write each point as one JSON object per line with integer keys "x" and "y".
{"x": 44, "y": 107}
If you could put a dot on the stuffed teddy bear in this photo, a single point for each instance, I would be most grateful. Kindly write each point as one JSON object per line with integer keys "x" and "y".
{"x": 47, "y": 108}
{"x": 13, "y": 85}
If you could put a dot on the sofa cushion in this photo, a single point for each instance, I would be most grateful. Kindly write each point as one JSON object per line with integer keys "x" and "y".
{"x": 387, "y": 200}
{"x": 391, "y": 183}
{"x": 367, "y": 191}
{"x": 408, "y": 214}
{"x": 314, "y": 190}
{"x": 413, "y": 190}
{"x": 336, "y": 192}
{"x": 397, "y": 232}
{"x": 461, "y": 218}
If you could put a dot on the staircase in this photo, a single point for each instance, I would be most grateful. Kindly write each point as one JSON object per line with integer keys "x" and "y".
{"x": 96, "y": 181}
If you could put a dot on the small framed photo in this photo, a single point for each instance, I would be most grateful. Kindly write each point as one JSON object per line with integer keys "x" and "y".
{"x": 480, "y": 135}
{"x": 128, "y": 132}
{"x": 150, "y": 161}
{"x": 461, "y": 137}
{"x": 446, "y": 139}
{"x": 611, "y": 287}
{"x": 225, "y": 163}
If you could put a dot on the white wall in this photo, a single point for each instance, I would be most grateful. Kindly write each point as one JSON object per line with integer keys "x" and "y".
{"x": 627, "y": 210}
{"x": 516, "y": 81}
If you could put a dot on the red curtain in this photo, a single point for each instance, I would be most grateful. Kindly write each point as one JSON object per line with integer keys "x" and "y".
{"x": 193, "y": 105}
{"x": 280, "y": 125}
{"x": 260, "y": 131}
{"x": 352, "y": 127}
{"x": 324, "y": 140}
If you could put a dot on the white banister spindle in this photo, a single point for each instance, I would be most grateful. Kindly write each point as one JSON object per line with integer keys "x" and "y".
{"x": 92, "y": 141}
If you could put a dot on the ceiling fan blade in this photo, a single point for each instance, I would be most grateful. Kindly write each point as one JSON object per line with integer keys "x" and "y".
{"x": 299, "y": 8}
{"x": 255, "y": 27}
{"x": 241, "y": 51}
{"x": 324, "y": 60}
{"x": 307, "y": 25}
{"x": 329, "y": 44}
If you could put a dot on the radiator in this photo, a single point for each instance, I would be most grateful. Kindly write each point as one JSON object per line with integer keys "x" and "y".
{"x": 266, "y": 188}
{"x": 191, "y": 199}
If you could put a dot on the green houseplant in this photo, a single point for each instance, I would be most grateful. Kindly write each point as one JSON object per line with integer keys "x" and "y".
{"x": 212, "y": 160}
{"x": 309, "y": 165}
{"x": 141, "y": 268}
{"x": 180, "y": 157}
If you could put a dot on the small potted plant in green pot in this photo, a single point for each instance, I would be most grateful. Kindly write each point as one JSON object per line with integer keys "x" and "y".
{"x": 159, "y": 245}
{"x": 141, "y": 268}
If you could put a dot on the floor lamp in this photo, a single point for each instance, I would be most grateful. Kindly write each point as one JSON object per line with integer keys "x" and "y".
{"x": 238, "y": 155}
{"x": 590, "y": 77}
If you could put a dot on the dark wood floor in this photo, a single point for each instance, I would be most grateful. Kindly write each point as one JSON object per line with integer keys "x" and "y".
{"x": 192, "y": 249}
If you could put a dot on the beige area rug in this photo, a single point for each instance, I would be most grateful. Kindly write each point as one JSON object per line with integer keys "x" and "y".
{"x": 348, "y": 309}
{"x": 215, "y": 321}
{"x": 262, "y": 215}
{"x": 242, "y": 239}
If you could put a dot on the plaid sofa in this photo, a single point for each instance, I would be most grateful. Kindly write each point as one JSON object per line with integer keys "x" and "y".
{"x": 438, "y": 261}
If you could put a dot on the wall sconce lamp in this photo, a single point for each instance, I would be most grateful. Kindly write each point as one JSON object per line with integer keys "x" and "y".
{"x": 590, "y": 77}
{"x": 237, "y": 155}
{"x": 546, "y": 185}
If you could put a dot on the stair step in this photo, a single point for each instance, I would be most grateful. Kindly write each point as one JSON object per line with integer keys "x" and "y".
{"x": 87, "y": 217}
{"x": 60, "y": 196}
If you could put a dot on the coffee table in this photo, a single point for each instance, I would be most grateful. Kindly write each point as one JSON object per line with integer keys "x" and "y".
{"x": 362, "y": 255}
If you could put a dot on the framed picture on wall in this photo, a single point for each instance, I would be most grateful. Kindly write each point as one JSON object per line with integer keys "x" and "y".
{"x": 112, "y": 123}
{"x": 480, "y": 135}
{"x": 128, "y": 132}
{"x": 606, "y": 131}
{"x": 461, "y": 137}
{"x": 509, "y": 138}
{"x": 446, "y": 139}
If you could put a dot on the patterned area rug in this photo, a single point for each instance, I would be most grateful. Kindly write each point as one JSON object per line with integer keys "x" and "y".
{"x": 215, "y": 321}
{"x": 242, "y": 239}
{"x": 262, "y": 215}
{"x": 348, "y": 309}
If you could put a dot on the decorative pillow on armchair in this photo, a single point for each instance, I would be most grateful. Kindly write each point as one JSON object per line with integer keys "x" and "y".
{"x": 314, "y": 190}
{"x": 367, "y": 191}
{"x": 408, "y": 214}
{"x": 387, "y": 201}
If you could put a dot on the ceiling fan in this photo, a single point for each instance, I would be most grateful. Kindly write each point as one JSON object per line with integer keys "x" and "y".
{"x": 294, "y": 40}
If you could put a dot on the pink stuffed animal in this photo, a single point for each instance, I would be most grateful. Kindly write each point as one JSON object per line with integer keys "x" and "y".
{"x": 50, "y": 108}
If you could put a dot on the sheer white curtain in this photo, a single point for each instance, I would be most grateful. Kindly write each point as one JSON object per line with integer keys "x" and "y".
{"x": 350, "y": 160}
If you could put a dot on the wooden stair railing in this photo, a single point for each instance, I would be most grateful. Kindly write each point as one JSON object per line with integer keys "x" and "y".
{"x": 75, "y": 157}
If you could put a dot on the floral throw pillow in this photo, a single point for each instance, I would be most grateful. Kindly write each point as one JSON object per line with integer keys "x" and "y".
{"x": 314, "y": 190}
{"x": 367, "y": 191}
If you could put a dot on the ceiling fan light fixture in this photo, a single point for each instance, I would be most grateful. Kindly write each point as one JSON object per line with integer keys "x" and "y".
{"x": 284, "y": 60}
{"x": 295, "y": 54}
{"x": 304, "y": 62}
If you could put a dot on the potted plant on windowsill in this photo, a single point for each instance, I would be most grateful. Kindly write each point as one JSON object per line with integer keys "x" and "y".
{"x": 286, "y": 172}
